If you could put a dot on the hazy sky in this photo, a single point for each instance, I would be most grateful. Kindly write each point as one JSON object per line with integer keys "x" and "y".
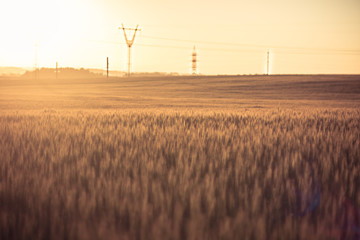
{"x": 304, "y": 36}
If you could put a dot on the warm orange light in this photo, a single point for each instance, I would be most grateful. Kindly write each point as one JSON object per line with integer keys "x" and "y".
{"x": 82, "y": 33}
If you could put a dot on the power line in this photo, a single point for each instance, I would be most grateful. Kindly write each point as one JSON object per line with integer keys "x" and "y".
{"x": 259, "y": 49}
{"x": 161, "y": 46}
{"x": 180, "y": 47}
{"x": 254, "y": 45}
{"x": 237, "y": 50}
{"x": 139, "y": 44}
{"x": 307, "y": 52}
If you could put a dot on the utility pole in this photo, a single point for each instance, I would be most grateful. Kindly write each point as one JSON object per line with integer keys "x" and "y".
{"x": 194, "y": 62}
{"x": 267, "y": 63}
{"x": 107, "y": 67}
{"x": 36, "y": 64}
{"x": 129, "y": 42}
{"x": 56, "y": 71}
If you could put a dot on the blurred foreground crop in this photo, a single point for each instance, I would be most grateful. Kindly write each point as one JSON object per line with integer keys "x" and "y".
{"x": 107, "y": 174}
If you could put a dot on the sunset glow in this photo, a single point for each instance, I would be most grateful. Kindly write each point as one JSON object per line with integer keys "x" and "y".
{"x": 231, "y": 36}
{"x": 205, "y": 119}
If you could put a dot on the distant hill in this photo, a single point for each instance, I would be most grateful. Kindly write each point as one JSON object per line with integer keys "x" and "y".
{"x": 111, "y": 73}
{"x": 73, "y": 73}
{"x": 12, "y": 71}
{"x": 48, "y": 73}
{"x": 136, "y": 74}
{"x": 153, "y": 74}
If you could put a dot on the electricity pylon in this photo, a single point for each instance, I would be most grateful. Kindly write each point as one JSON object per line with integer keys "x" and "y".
{"x": 267, "y": 62}
{"x": 194, "y": 62}
{"x": 129, "y": 42}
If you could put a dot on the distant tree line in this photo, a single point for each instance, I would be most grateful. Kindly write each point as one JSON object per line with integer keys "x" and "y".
{"x": 61, "y": 73}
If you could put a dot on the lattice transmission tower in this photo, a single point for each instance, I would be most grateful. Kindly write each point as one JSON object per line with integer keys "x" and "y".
{"x": 267, "y": 62}
{"x": 129, "y": 43}
{"x": 194, "y": 62}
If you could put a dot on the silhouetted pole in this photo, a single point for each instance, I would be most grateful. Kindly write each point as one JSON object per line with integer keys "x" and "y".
{"x": 36, "y": 60}
{"x": 107, "y": 67}
{"x": 194, "y": 62}
{"x": 267, "y": 63}
{"x": 129, "y": 61}
{"x": 56, "y": 71}
{"x": 129, "y": 43}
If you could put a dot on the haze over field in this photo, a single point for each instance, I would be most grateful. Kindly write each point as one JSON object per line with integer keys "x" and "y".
{"x": 231, "y": 36}
{"x": 181, "y": 92}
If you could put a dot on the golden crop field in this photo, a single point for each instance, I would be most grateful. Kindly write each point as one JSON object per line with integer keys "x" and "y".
{"x": 226, "y": 157}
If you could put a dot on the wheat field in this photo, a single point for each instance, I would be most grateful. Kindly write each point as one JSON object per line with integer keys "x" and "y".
{"x": 191, "y": 158}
